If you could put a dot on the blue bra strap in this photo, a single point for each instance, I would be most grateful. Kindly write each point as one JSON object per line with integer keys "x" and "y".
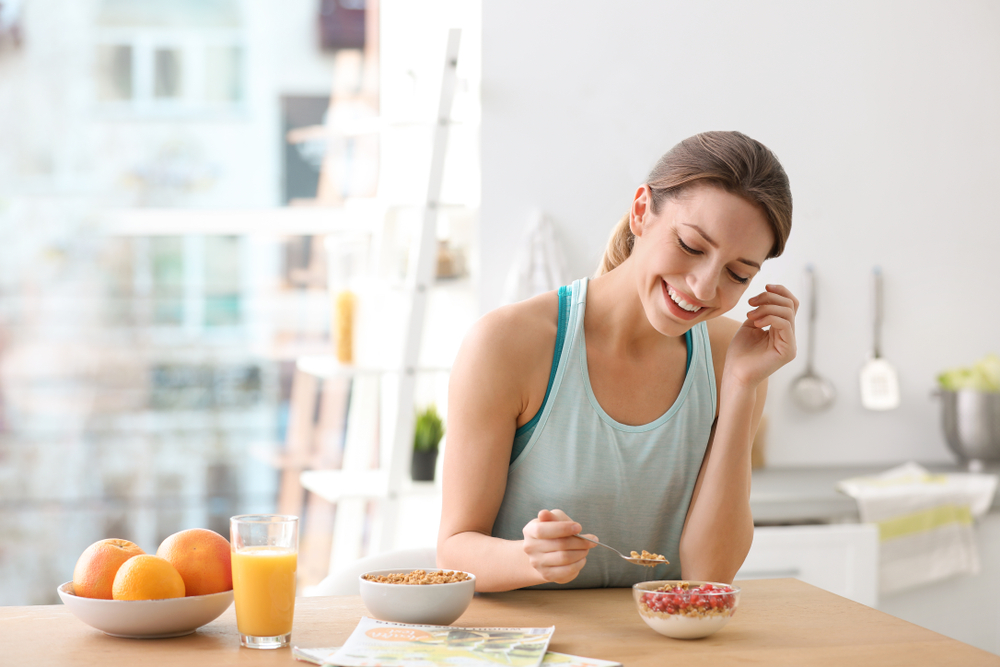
{"x": 564, "y": 304}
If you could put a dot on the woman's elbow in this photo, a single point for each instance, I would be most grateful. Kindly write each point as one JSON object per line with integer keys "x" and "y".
{"x": 719, "y": 562}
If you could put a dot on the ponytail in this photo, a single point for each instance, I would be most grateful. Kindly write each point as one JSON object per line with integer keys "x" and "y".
{"x": 619, "y": 245}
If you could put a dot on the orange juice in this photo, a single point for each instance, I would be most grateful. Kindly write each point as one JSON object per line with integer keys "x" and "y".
{"x": 264, "y": 590}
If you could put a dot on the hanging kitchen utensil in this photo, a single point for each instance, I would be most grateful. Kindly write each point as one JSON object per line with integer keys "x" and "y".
{"x": 879, "y": 383}
{"x": 809, "y": 390}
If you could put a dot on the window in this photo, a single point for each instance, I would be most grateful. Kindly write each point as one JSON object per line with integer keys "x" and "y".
{"x": 179, "y": 57}
{"x": 167, "y": 72}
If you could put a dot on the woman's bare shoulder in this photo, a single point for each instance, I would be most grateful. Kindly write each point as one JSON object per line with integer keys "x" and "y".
{"x": 523, "y": 330}
{"x": 502, "y": 367}
{"x": 722, "y": 329}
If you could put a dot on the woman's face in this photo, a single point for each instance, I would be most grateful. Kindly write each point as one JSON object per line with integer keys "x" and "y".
{"x": 697, "y": 255}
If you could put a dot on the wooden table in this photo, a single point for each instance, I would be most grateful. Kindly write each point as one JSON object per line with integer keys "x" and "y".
{"x": 779, "y": 622}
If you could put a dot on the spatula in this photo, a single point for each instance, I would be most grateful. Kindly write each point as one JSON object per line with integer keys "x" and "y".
{"x": 879, "y": 383}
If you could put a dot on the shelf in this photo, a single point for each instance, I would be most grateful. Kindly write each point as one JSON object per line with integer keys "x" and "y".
{"x": 354, "y": 216}
{"x": 277, "y": 457}
{"x": 336, "y": 485}
{"x": 326, "y": 366}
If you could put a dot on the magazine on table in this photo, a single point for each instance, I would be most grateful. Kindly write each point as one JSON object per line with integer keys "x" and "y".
{"x": 318, "y": 656}
{"x": 387, "y": 644}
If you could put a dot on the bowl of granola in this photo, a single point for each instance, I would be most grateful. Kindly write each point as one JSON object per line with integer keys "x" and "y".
{"x": 686, "y": 609}
{"x": 422, "y": 597}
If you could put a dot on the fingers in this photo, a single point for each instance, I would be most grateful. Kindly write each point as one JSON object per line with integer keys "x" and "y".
{"x": 555, "y": 525}
{"x": 777, "y": 303}
{"x": 771, "y": 314}
{"x": 558, "y": 514}
{"x": 551, "y": 547}
{"x": 778, "y": 291}
{"x": 560, "y": 573}
{"x": 775, "y": 294}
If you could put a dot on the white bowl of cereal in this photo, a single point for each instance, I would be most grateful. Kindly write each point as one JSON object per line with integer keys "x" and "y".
{"x": 686, "y": 609}
{"x": 422, "y": 597}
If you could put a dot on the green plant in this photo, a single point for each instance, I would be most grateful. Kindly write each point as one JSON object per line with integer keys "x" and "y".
{"x": 428, "y": 431}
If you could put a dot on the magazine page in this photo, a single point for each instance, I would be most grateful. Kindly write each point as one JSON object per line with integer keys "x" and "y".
{"x": 377, "y": 643}
{"x": 322, "y": 656}
{"x": 566, "y": 660}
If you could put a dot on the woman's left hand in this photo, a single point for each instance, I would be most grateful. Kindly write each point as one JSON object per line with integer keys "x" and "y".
{"x": 755, "y": 352}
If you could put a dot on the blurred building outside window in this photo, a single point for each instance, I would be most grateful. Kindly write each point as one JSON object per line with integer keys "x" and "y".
{"x": 157, "y": 280}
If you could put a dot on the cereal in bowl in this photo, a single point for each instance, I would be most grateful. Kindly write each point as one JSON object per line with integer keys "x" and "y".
{"x": 418, "y": 577}
{"x": 685, "y": 599}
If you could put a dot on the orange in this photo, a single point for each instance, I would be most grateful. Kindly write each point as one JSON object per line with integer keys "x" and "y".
{"x": 203, "y": 559}
{"x": 97, "y": 566}
{"x": 147, "y": 577}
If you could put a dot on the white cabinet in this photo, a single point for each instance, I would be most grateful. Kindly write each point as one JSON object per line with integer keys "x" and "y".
{"x": 840, "y": 558}
{"x": 966, "y": 608}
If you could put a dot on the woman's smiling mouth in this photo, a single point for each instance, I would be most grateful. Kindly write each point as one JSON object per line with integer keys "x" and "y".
{"x": 682, "y": 307}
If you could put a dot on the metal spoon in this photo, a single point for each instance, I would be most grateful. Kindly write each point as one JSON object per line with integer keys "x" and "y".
{"x": 809, "y": 390}
{"x": 645, "y": 562}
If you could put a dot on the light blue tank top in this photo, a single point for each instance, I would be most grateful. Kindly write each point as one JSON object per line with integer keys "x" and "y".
{"x": 629, "y": 485}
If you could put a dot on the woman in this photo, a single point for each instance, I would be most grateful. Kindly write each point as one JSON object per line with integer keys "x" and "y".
{"x": 625, "y": 406}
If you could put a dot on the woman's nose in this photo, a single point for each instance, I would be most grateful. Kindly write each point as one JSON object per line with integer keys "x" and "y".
{"x": 704, "y": 284}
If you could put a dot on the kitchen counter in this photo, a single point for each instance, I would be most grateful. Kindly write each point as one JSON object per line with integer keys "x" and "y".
{"x": 808, "y": 529}
{"x": 778, "y": 622}
{"x": 788, "y": 496}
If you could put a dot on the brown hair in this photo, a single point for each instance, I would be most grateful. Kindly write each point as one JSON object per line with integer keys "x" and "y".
{"x": 729, "y": 160}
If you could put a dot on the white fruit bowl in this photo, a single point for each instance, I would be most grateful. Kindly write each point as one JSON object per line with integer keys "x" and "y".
{"x": 430, "y": 604}
{"x": 146, "y": 619}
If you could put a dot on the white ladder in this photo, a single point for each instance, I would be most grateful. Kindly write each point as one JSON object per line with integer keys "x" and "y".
{"x": 353, "y": 485}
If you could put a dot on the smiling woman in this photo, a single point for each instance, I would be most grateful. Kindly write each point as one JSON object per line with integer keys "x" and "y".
{"x": 627, "y": 401}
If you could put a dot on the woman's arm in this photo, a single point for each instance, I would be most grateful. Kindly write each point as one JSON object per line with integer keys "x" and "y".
{"x": 718, "y": 530}
{"x": 495, "y": 382}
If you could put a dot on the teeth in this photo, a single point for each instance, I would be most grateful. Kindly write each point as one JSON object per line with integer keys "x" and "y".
{"x": 681, "y": 302}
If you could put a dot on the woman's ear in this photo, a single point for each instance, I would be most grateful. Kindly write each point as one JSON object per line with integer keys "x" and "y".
{"x": 639, "y": 212}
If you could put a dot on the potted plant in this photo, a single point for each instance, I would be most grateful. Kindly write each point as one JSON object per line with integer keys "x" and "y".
{"x": 426, "y": 438}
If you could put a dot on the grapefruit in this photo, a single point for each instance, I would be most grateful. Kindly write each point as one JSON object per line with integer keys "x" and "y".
{"x": 97, "y": 566}
{"x": 203, "y": 559}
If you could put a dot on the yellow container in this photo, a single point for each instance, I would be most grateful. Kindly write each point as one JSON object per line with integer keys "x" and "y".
{"x": 344, "y": 314}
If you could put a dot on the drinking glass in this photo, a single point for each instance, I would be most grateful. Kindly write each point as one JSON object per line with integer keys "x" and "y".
{"x": 265, "y": 556}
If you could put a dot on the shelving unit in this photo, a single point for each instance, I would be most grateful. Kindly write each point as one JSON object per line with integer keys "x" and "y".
{"x": 375, "y": 470}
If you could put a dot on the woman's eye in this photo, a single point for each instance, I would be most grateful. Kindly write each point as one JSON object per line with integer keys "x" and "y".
{"x": 691, "y": 251}
{"x": 686, "y": 248}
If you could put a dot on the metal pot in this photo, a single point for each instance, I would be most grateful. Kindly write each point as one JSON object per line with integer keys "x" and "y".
{"x": 971, "y": 421}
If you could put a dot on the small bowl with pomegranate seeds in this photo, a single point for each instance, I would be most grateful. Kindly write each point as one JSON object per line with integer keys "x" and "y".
{"x": 685, "y": 609}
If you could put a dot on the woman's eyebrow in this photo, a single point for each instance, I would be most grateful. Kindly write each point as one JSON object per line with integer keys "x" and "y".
{"x": 708, "y": 239}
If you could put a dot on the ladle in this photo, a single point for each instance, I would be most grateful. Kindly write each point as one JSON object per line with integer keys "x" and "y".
{"x": 809, "y": 390}
{"x": 646, "y": 562}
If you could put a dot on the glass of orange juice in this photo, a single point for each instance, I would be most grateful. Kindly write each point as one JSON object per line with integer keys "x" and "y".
{"x": 265, "y": 549}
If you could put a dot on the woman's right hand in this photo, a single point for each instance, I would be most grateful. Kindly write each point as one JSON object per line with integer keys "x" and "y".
{"x": 551, "y": 548}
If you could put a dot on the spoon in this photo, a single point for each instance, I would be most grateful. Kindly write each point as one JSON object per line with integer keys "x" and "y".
{"x": 811, "y": 391}
{"x": 645, "y": 562}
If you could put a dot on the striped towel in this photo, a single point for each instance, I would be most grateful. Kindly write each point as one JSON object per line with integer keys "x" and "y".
{"x": 926, "y": 522}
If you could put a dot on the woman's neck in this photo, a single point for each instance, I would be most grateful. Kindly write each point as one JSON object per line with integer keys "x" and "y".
{"x": 615, "y": 319}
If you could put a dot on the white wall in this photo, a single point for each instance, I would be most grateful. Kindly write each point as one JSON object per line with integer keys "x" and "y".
{"x": 886, "y": 116}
